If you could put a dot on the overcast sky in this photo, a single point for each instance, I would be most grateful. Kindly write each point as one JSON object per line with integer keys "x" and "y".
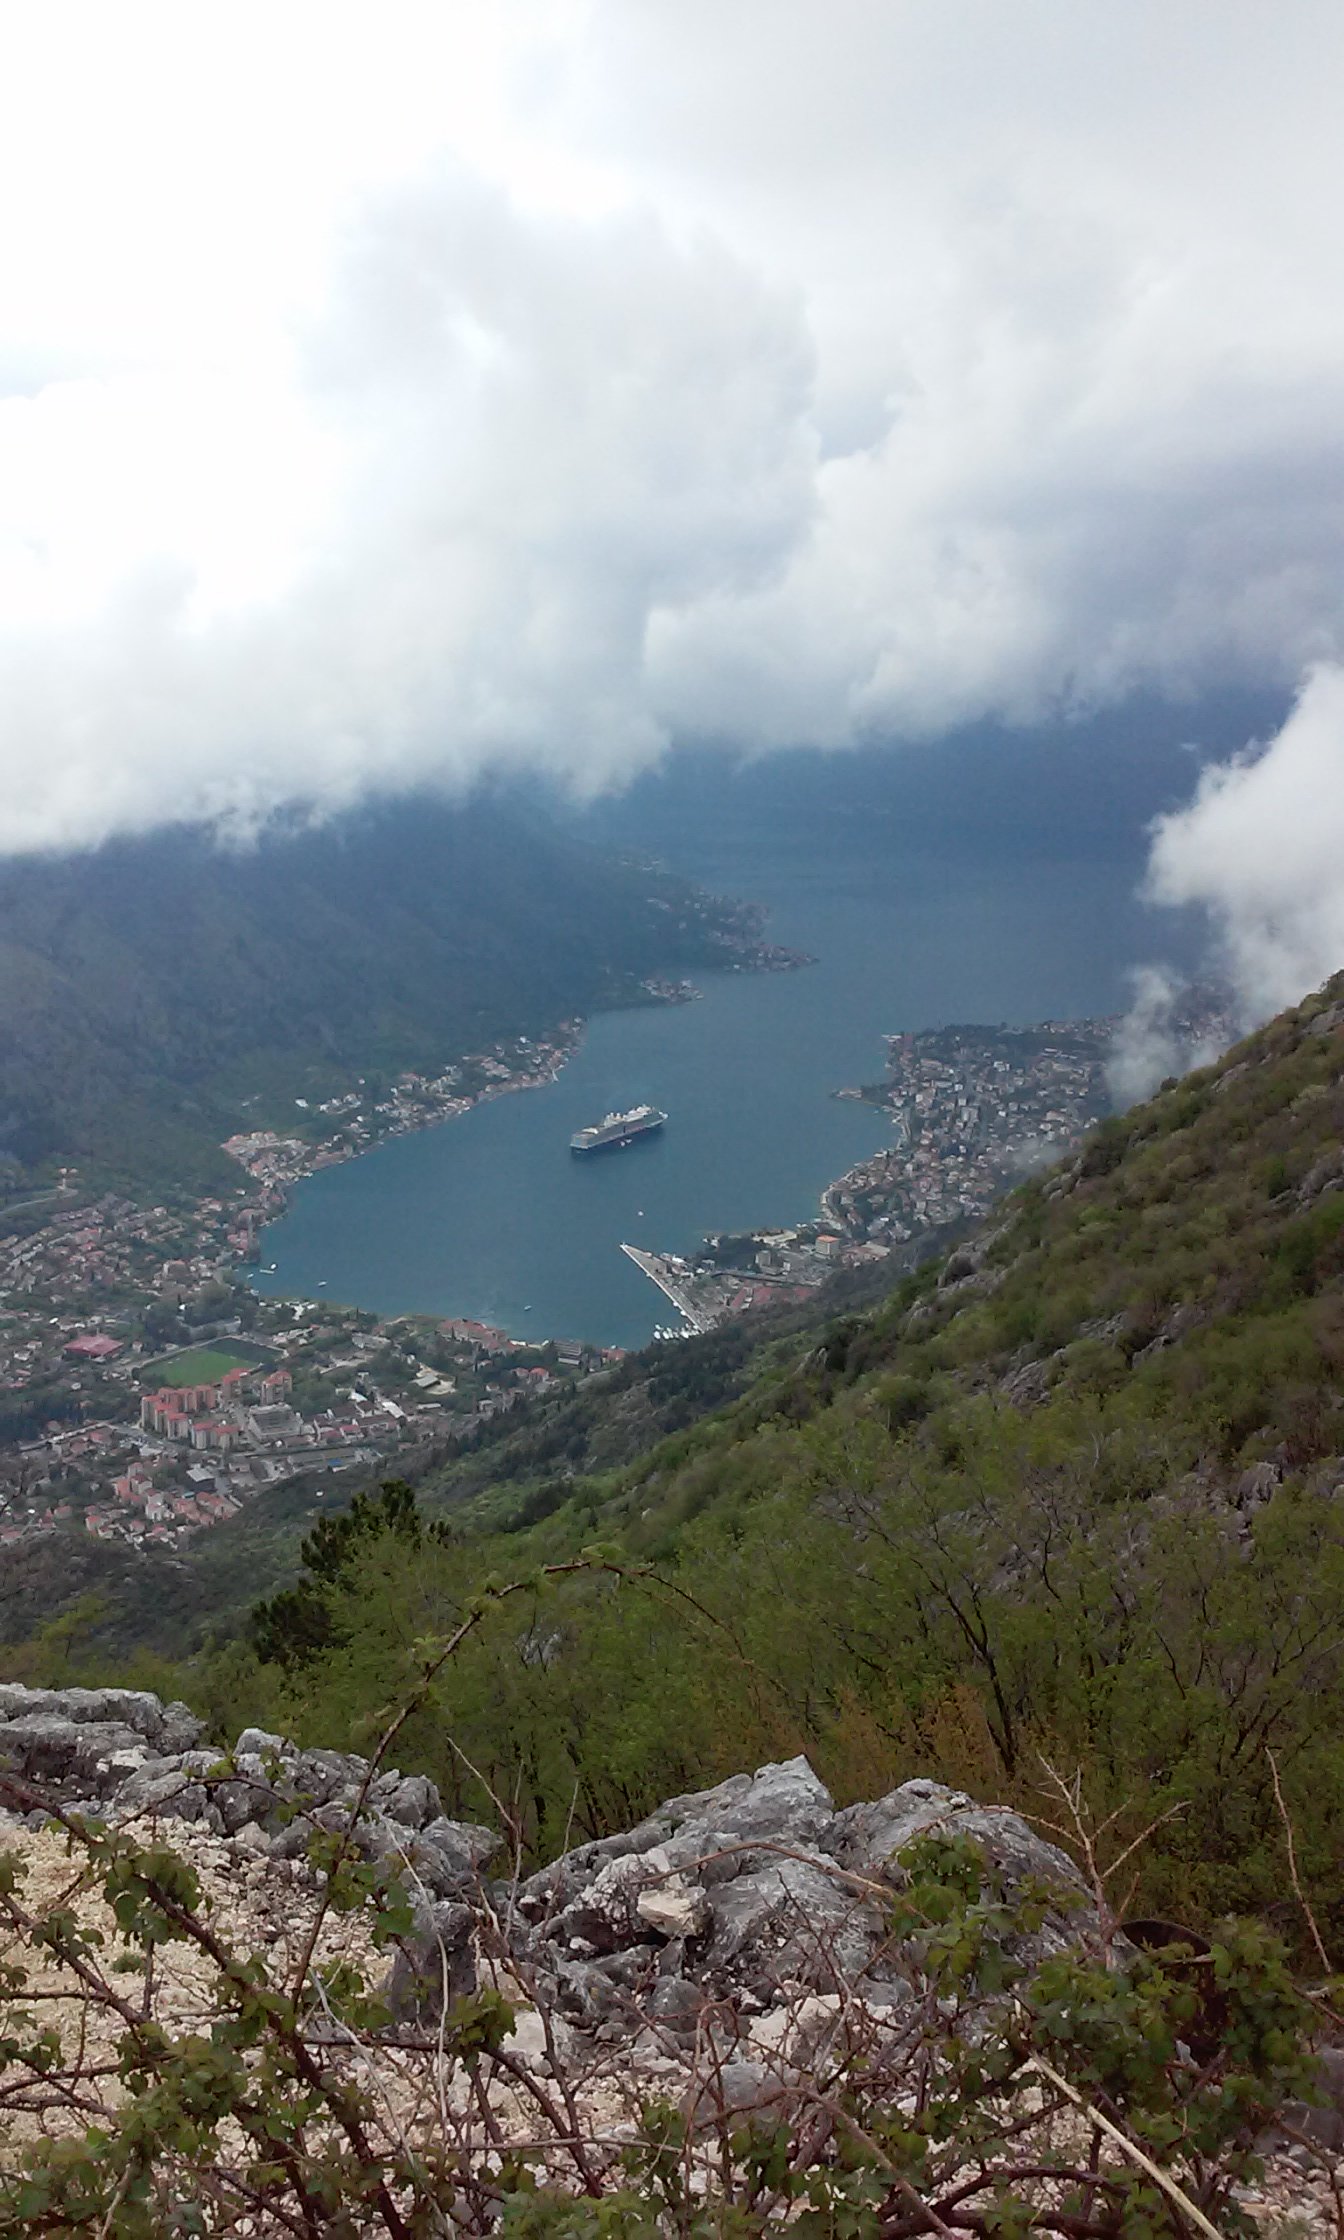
{"x": 391, "y": 393}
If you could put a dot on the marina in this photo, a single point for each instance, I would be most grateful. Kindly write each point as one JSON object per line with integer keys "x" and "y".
{"x": 673, "y": 1279}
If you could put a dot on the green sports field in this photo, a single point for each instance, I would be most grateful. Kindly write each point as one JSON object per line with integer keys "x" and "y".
{"x": 205, "y": 1364}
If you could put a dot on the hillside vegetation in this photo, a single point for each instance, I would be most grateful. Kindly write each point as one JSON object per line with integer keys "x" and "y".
{"x": 1074, "y": 1493}
{"x": 148, "y": 989}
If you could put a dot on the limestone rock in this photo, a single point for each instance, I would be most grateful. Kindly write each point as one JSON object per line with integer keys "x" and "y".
{"x": 165, "y": 1727}
{"x": 252, "y": 1840}
{"x": 94, "y": 1754}
{"x": 257, "y": 1742}
{"x": 435, "y": 1965}
{"x": 733, "y": 2090}
{"x": 866, "y": 1838}
{"x": 462, "y": 1845}
{"x": 410, "y": 1799}
{"x": 675, "y": 1908}
{"x": 756, "y": 1892}
{"x": 745, "y": 1899}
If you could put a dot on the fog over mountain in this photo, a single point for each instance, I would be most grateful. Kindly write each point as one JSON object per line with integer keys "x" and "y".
{"x": 1260, "y": 846}
{"x": 384, "y": 402}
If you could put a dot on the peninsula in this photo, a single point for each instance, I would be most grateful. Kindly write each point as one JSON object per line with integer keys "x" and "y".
{"x": 973, "y": 1110}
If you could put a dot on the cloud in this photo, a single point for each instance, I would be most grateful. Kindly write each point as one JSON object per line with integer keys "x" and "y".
{"x": 1147, "y": 1046}
{"x": 1259, "y": 849}
{"x": 517, "y": 440}
{"x": 1168, "y": 1029}
{"x": 380, "y": 408}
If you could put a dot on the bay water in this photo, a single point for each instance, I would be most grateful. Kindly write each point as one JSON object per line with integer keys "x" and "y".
{"x": 914, "y": 923}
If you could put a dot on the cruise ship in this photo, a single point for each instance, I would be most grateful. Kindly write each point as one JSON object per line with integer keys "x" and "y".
{"x": 618, "y": 1129}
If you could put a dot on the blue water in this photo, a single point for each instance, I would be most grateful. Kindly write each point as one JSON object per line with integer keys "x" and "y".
{"x": 489, "y": 1216}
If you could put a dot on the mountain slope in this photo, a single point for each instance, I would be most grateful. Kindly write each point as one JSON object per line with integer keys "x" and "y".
{"x": 1075, "y": 1494}
{"x": 146, "y": 988}
{"x": 1071, "y": 1497}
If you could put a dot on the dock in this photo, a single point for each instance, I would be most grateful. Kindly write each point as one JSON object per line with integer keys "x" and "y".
{"x": 676, "y": 1282}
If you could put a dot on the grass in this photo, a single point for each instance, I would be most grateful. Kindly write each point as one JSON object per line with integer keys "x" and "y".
{"x": 205, "y": 1364}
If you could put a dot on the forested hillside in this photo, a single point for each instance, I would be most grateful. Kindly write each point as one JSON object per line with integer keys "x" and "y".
{"x": 1075, "y": 1493}
{"x": 147, "y": 989}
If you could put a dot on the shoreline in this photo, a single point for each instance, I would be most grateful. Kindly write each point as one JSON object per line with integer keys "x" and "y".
{"x": 277, "y": 1164}
{"x": 893, "y": 1198}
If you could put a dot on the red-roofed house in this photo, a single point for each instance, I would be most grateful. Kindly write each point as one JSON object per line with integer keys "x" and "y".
{"x": 479, "y": 1334}
{"x": 93, "y": 1346}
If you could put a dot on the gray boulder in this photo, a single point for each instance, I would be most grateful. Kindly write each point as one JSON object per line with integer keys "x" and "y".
{"x": 409, "y": 1798}
{"x": 169, "y": 1786}
{"x": 1321, "y": 2120}
{"x": 93, "y": 1755}
{"x": 735, "y": 2091}
{"x": 455, "y": 1851}
{"x": 259, "y": 1742}
{"x": 87, "y": 1742}
{"x": 736, "y": 1882}
{"x": 435, "y": 1964}
{"x": 790, "y": 1923}
{"x": 164, "y": 1727}
{"x": 867, "y": 1837}
{"x": 758, "y": 1890}
{"x": 708, "y": 1832}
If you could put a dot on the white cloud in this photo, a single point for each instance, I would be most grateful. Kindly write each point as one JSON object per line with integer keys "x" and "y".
{"x": 1163, "y": 1033}
{"x": 541, "y": 433}
{"x": 384, "y": 401}
{"x": 1260, "y": 849}
{"x": 1147, "y": 1044}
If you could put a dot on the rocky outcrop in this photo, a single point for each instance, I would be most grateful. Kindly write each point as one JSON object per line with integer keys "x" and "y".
{"x": 736, "y": 1953}
{"x": 748, "y": 1896}
{"x": 1325, "y": 1175}
{"x": 736, "y": 1957}
{"x": 122, "y": 1754}
{"x": 753, "y": 1895}
{"x": 91, "y": 1739}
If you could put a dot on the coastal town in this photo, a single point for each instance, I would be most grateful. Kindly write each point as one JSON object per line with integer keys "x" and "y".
{"x": 340, "y": 1127}
{"x": 106, "y": 1430}
{"x": 973, "y": 1110}
{"x": 147, "y": 1390}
